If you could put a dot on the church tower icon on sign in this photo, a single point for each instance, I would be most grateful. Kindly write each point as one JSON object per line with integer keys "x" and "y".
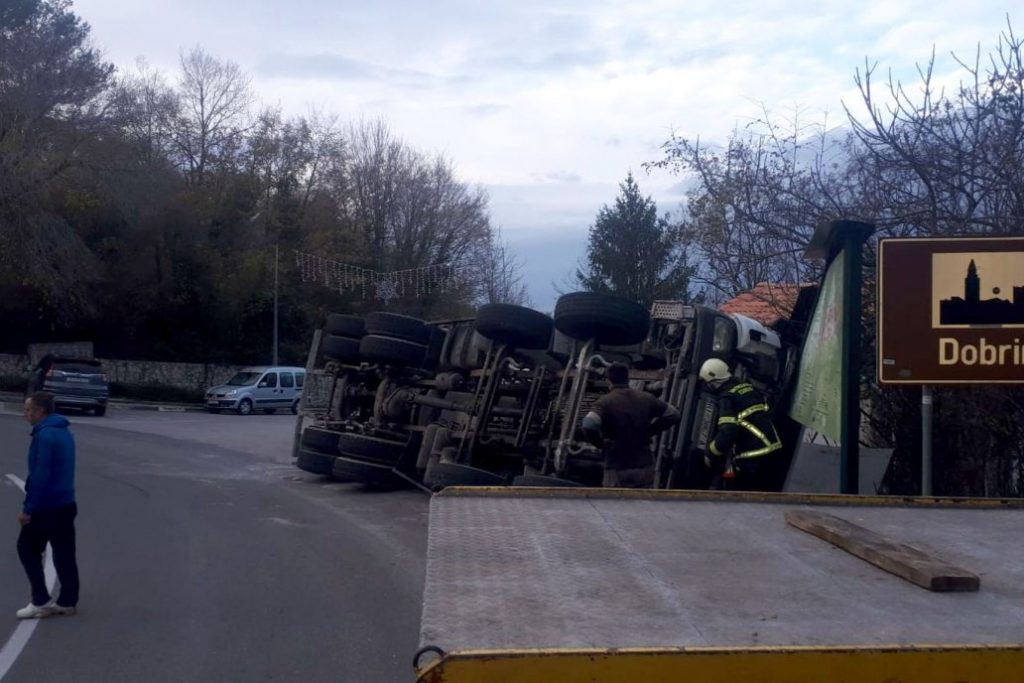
{"x": 973, "y": 310}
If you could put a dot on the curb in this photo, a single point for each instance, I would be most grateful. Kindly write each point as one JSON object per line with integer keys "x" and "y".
{"x": 9, "y": 399}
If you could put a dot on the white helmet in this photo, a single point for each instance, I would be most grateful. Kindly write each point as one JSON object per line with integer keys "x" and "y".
{"x": 714, "y": 370}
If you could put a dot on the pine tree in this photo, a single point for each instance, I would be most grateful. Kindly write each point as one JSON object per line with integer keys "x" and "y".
{"x": 634, "y": 253}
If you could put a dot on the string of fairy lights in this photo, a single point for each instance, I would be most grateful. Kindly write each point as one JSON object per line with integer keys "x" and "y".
{"x": 367, "y": 283}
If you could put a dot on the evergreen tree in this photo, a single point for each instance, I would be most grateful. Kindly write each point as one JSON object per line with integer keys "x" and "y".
{"x": 634, "y": 253}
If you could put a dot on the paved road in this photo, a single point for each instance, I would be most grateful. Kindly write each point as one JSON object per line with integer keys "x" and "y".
{"x": 206, "y": 556}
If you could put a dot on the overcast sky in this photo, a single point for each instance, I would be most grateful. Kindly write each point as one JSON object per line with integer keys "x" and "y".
{"x": 550, "y": 104}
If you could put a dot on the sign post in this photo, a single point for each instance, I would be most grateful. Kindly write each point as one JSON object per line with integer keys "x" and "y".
{"x": 926, "y": 440}
{"x": 827, "y": 396}
{"x": 950, "y": 311}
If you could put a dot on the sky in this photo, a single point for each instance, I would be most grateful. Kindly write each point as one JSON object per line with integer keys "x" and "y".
{"x": 550, "y": 104}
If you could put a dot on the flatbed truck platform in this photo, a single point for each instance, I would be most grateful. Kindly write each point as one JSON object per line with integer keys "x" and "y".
{"x": 612, "y": 585}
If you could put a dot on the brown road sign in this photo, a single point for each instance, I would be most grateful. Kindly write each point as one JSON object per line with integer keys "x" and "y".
{"x": 951, "y": 310}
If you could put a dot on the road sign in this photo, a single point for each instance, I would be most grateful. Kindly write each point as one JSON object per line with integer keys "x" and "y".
{"x": 951, "y": 310}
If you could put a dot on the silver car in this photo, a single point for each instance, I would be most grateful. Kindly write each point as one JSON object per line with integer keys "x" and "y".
{"x": 259, "y": 388}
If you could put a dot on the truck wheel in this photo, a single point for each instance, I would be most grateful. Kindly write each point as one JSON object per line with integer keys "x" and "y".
{"x": 398, "y": 326}
{"x": 318, "y": 439}
{"x": 378, "y": 349}
{"x": 370, "y": 448}
{"x": 245, "y": 407}
{"x": 343, "y": 349}
{"x": 441, "y": 474}
{"x": 315, "y": 462}
{"x": 607, "y": 319}
{"x": 518, "y": 326}
{"x": 432, "y": 358}
{"x": 345, "y": 326}
{"x": 541, "y": 480}
{"x": 368, "y": 473}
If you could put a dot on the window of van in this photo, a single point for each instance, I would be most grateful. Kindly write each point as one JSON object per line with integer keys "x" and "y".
{"x": 270, "y": 379}
{"x": 287, "y": 380}
{"x": 300, "y": 378}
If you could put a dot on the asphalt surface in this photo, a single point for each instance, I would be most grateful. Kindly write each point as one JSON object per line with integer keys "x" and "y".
{"x": 205, "y": 555}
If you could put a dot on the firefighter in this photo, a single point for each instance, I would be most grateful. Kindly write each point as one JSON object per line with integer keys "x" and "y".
{"x": 623, "y": 422}
{"x": 744, "y": 452}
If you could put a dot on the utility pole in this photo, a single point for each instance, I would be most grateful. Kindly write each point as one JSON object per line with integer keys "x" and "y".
{"x": 276, "y": 262}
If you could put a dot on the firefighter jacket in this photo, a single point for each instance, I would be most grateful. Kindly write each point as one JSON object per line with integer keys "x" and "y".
{"x": 745, "y": 429}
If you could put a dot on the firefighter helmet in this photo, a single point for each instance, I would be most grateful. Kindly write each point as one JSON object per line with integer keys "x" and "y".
{"x": 714, "y": 370}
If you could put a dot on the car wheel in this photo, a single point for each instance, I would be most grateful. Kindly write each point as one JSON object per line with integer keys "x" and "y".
{"x": 245, "y": 407}
{"x": 295, "y": 406}
{"x": 100, "y": 411}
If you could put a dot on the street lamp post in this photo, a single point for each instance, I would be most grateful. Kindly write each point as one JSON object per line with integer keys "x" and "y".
{"x": 276, "y": 262}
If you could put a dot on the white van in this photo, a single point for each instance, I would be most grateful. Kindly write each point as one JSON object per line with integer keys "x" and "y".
{"x": 259, "y": 388}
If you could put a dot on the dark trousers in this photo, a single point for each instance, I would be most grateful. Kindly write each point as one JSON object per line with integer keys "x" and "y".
{"x": 756, "y": 474}
{"x": 55, "y": 526}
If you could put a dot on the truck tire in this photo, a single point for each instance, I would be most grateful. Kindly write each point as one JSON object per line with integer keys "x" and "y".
{"x": 518, "y": 326}
{"x": 541, "y": 480}
{"x": 370, "y": 448}
{"x": 432, "y": 357}
{"x": 315, "y": 462}
{"x": 607, "y": 319}
{"x": 318, "y": 439}
{"x": 438, "y": 475}
{"x": 398, "y": 326}
{"x": 342, "y": 349}
{"x": 350, "y": 326}
{"x": 368, "y": 473}
{"x": 379, "y": 349}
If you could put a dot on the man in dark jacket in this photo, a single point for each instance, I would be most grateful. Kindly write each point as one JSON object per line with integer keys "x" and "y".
{"x": 625, "y": 419}
{"x": 744, "y": 452}
{"x": 48, "y": 514}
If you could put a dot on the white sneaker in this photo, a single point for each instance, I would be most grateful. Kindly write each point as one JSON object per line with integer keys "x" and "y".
{"x": 31, "y": 611}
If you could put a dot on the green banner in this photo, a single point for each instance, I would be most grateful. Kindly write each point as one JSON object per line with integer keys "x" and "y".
{"x": 818, "y": 400}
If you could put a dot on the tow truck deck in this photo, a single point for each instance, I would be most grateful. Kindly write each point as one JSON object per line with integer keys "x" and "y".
{"x": 599, "y": 585}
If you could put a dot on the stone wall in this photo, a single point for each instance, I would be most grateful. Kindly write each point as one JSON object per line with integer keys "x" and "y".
{"x": 188, "y": 376}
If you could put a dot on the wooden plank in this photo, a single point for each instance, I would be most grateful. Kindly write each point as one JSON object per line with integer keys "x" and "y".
{"x": 897, "y": 558}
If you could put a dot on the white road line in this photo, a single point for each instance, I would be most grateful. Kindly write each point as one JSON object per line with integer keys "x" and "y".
{"x": 19, "y": 639}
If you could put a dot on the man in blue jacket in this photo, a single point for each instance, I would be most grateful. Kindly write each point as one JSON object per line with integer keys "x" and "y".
{"x": 48, "y": 515}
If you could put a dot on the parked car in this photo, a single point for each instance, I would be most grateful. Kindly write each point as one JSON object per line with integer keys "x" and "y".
{"x": 258, "y": 388}
{"x": 74, "y": 382}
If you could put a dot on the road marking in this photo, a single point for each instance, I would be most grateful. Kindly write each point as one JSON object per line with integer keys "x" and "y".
{"x": 19, "y": 639}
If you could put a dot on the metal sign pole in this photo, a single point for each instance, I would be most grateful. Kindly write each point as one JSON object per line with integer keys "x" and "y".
{"x": 926, "y": 439}
{"x": 849, "y": 475}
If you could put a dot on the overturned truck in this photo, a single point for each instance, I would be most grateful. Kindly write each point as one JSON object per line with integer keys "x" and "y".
{"x": 498, "y": 399}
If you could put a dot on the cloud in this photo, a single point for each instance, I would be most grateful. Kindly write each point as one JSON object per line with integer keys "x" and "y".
{"x": 485, "y": 109}
{"x": 338, "y": 67}
{"x": 558, "y": 177}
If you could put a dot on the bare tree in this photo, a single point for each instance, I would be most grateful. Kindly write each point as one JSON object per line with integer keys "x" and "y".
{"x": 922, "y": 162}
{"x": 215, "y": 101}
{"x": 499, "y": 273}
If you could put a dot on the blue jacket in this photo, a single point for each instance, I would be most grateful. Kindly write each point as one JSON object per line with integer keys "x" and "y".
{"x": 51, "y": 466}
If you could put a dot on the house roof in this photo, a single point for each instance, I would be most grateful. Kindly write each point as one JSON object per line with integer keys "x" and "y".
{"x": 767, "y": 302}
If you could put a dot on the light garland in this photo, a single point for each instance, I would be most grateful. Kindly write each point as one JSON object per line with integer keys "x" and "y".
{"x": 366, "y": 283}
